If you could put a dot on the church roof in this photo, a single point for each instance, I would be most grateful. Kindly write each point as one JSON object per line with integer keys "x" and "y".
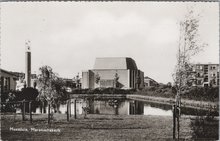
{"x": 115, "y": 63}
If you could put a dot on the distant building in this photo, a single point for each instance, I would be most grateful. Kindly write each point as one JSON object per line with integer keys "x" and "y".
{"x": 205, "y": 74}
{"x": 148, "y": 82}
{"x": 78, "y": 81}
{"x": 8, "y": 81}
{"x": 71, "y": 84}
{"x": 116, "y": 72}
{"x": 21, "y": 80}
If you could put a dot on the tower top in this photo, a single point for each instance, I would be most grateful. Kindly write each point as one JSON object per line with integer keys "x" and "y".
{"x": 28, "y": 46}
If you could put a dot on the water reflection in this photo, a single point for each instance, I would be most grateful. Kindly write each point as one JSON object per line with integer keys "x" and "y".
{"x": 116, "y": 106}
{"x": 148, "y": 110}
{"x": 122, "y": 107}
{"x": 136, "y": 107}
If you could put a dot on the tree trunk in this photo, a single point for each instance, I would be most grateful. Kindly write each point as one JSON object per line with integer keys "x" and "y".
{"x": 49, "y": 113}
{"x": 23, "y": 111}
{"x": 67, "y": 108}
{"x": 174, "y": 121}
{"x": 75, "y": 108}
{"x": 30, "y": 112}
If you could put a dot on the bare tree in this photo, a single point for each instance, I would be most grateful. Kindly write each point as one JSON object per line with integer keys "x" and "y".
{"x": 189, "y": 45}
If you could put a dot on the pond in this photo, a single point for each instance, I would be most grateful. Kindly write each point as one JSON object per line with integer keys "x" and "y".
{"x": 124, "y": 107}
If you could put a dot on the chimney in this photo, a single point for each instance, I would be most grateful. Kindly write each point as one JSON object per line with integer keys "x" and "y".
{"x": 28, "y": 64}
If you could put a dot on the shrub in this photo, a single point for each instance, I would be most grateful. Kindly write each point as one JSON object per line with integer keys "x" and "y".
{"x": 202, "y": 93}
{"x": 205, "y": 128}
{"x": 103, "y": 91}
{"x": 29, "y": 93}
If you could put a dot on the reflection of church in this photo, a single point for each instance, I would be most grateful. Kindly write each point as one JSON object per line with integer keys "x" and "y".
{"x": 120, "y": 107}
{"x": 112, "y": 107}
{"x": 117, "y": 72}
{"x": 136, "y": 108}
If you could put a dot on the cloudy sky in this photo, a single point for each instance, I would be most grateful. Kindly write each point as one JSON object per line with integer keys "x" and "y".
{"x": 69, "y": 36}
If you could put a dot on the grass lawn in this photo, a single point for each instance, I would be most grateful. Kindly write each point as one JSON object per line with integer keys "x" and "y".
{"x": 95, "y": 128}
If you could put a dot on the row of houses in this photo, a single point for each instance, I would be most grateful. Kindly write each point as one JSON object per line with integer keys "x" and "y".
{"x": 205, "y": 74}
{"x": 201, "y": 75}
{"x": 8, "y": 81}
{"x": 119, "y": 72}
{"x": 122, "y": 72}
{"x": 16, "y": 81}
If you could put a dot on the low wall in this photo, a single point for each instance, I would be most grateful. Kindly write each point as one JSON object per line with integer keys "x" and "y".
{"x": 98, "y": 95}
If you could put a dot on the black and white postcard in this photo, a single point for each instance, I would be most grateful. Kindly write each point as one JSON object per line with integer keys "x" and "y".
{"x": 109, "y": 70}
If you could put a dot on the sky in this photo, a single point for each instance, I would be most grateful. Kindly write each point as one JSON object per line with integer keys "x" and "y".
{"x": 68, "y": 36}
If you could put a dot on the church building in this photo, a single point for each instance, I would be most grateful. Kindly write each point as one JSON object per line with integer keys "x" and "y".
{"x": 115, "y": 72}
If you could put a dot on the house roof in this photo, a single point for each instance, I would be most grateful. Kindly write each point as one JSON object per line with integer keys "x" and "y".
{"x": 8, "y": 72}
{"x": 148, "y": 78}
{"x": 115, "y": 63}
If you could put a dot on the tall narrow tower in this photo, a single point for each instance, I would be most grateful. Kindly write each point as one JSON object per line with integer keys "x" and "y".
{"x": 28, "y": 64}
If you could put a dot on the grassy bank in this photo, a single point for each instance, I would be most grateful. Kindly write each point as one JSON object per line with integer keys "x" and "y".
{"x": 107, "y": 127}
{"x": 96, "y": 127}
